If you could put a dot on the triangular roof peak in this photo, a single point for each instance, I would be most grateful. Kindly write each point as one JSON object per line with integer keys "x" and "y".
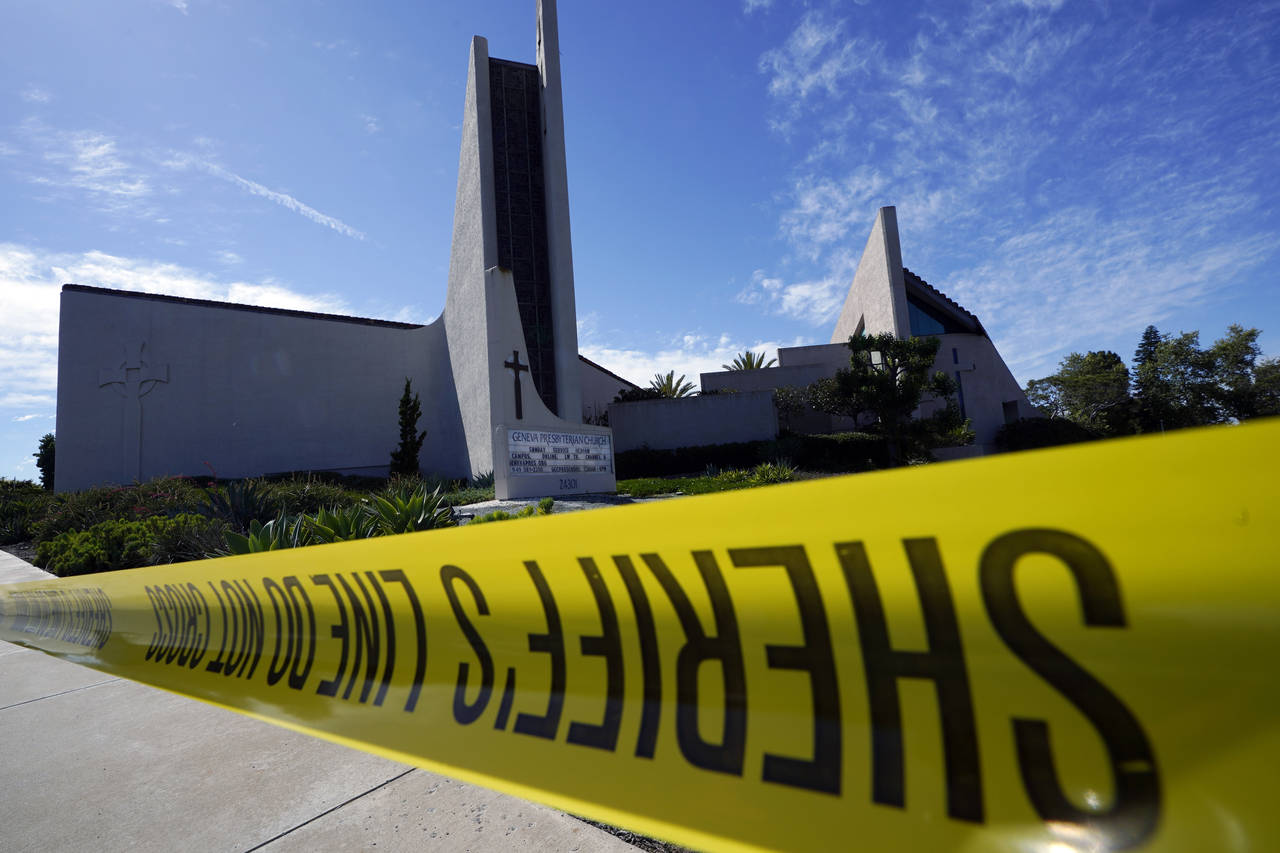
{"x": 885, "y": 296}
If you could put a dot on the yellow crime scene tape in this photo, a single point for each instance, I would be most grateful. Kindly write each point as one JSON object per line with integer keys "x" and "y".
{"x": 1066, "y": 649}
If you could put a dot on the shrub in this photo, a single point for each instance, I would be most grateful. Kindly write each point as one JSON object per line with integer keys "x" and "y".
{"x": 308, "y": 494}
{"x": 111, "y": 545}
{"x": 461, "y": 497}
{"x": 167, "y": 496}
{"x": 834, "y": 453}
{"x": 767, "y": 473}
{"x": 635, "y": 395}
{"x": 185, "y": 537}
{"x": 1029, "y": 433}
{"x": 482, "y": 481}
{"x": 22, "y": 504}
{"x": 238, "y": 503}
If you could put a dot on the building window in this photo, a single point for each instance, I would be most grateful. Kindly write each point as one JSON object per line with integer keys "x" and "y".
{"x": 955, "y": 355}
{"x": 960, "y": 394}
{"x": 923, "y": 324}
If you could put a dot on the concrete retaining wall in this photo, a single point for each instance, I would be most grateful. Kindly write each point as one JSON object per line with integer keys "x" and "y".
{"x": 694, "y": 421}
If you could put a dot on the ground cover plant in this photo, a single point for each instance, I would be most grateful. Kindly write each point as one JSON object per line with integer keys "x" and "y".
{"x": 543, "y": 508}
{"x": 764, "y": 474}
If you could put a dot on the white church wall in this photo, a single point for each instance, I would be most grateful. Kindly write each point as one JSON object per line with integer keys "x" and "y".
{"x": 243, "y": 392}
{"x": 694, "y": 421}
{"x": 991, "y": 395}
{"x": 599, "y": 387}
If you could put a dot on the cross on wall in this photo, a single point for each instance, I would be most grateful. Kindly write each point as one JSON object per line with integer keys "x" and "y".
{"x": 133, "y": 378}
{"x": 517, "y": 368}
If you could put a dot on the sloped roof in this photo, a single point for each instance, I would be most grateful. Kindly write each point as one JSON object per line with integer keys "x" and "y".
{"x": 235, "y": 306}
{"x": 922, "y": 291}
{"x": 603, "y": 369}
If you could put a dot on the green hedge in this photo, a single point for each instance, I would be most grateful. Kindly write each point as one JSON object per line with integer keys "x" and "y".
{"x": 1030, "y": 433}
{"x": 111, "y": 545}
{"x": 834, "y": 453}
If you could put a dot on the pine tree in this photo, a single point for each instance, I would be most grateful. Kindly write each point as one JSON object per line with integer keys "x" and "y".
{"x": 1150, "y": 391}
{"x": 404, "y": 459}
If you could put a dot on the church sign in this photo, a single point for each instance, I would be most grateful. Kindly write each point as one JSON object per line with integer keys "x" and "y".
{"x": 547, "y": 460}
{"x": 561, "y": 453}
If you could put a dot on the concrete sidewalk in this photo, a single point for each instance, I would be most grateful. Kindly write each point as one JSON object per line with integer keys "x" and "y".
{"x": 93, "y": 762}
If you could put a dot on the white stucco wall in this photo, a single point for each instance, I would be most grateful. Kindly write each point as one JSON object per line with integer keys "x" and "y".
{"x": 694, "y": 421}
{"x": 986, "y": 382}
{"x": 599, "y": 387}
{"x": 248, "y": 392}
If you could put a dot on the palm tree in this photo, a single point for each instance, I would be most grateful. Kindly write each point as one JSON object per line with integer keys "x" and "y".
{"x": 749, "y": 361}
{"x": 670, "y": 386}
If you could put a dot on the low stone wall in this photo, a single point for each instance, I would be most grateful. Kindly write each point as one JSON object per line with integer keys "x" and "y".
{"x": 693, "y": 421}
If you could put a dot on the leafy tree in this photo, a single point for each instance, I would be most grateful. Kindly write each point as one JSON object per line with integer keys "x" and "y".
{"x": 1235, "y": 364}
{"x": 1187, "y": 374}
{"x": 44, "y": 459}
{"x": 887, "y": 379}
{"x": 404, "y": 459}
{"x": 1091, "y": 389}
{"x": 635, "y": 395}
{"x": 1266, "y": 386}
{"x": 669, "y": 386}
{"x": 749, "y": 361}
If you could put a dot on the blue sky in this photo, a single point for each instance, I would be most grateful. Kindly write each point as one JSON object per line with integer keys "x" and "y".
{"x": 1069, "y": 170}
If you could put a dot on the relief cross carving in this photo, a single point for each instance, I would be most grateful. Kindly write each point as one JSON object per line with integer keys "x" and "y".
{"x": 133, "y": 378}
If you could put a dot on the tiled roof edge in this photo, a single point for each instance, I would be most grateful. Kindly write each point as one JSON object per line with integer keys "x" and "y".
{"x": 960, "y": 309}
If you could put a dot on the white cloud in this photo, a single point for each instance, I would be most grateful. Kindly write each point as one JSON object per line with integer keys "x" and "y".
{"x": 371, "y": 125}
{"x": 31, "y": 279}
{"x": 814, "y": 302}
{"x": 750, "y": 6}
{"x": 183, "y": 161}
{"x": 817, "y": 59}
{"x": 89, "y": 164}
{"x": 689, "y": 354}
{"x": 35, "y": 95}
{"x": 29, "y": 417}
{"x": 1067, "y": 171}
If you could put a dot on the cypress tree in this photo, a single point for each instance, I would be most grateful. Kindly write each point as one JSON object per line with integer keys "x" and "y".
{"x": 404, "y": 459}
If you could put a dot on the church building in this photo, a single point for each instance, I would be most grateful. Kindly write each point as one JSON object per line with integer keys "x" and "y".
{"x": 884, "y": 297}
{"x": 157, "y": 385}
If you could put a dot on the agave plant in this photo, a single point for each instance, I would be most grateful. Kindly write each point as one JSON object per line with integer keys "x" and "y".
{"x": 749, "y": 361}
{"x": 341, "y": 524}
{"x": 669, "y": 386}
{"x": 404, "y": 508}
{"x": 239, "y": 503}
{"x": 283, "y": 531}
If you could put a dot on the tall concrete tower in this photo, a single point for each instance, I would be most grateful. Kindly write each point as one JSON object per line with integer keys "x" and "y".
{"x": 511, "y": 291}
